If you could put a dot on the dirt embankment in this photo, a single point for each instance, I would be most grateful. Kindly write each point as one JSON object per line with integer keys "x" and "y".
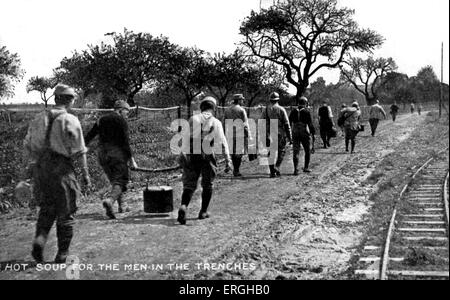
{"x": 305, "y": 227}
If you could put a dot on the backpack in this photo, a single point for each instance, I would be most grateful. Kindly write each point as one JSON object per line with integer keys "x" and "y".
{"x": 39, "y": 136}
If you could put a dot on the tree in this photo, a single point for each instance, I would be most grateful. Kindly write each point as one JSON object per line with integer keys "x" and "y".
{"x": 425, "y": 85}
{"x": 184, "y": 72}
{"x": 10, "y": 72}
{"x": 305, "y": 36}
{"x": 261, "y": 78}
{"x": 367, "y": 75}
{"x": 121, "y": 68}
{"x": 41, "y": 85}
{"x": 224, "y": 73}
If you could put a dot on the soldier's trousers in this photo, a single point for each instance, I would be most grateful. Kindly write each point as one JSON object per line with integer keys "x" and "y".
{"x": 374, "y": 125}
{"x": 281, "y": 152}
{"x": 298, "y": 141}
{"x": 64, "y": 226}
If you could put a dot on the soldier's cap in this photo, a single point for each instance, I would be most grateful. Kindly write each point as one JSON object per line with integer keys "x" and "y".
{"x": 355, "y": 104}
{"x": 121, "y": 104}
{"x": 302, "y": 101}
{"x": 62, "y": 89}
{"x": 209, "y": 99}
{"x": 274, "y": 96}
{"x": 238, "y": 97}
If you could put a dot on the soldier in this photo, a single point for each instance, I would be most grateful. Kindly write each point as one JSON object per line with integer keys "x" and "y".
{"x": 375, "y": 115}
{"x": 394, "y": 111}
{"x": 326, "y": 123}
{"x": 114, "y": 153}
{"x": 197, "y": 158}
{"x": 274, "y": 111}
{"x": 412, "y": 107}
{"x": 302, "y": 132}
{"x": 53, "y": 141}
{"x": 240, "y": 134}
{"x": 351, "y": 116}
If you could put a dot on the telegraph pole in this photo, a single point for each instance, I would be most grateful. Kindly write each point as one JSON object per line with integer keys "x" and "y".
{"x": 442, "y": 79}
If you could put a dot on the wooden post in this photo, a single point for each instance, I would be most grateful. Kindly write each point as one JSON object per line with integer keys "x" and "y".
{"x": 442, "y": 79}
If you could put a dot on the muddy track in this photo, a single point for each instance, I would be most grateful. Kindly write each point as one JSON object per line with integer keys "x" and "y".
{"x": 268, "y": 222}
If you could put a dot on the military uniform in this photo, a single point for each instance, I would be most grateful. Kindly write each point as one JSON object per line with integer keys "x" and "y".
{"x": 240, "y": 135}
{"x": 302, "y": 132}
{"x": 198, "y": 158}
{"x": 276, "y": 112}
{"x": 114, "y": 154}
{"x": 54, "y": 138}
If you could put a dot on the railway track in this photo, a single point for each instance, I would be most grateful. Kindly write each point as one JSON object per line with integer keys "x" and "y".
{"x": 416, "y": 245}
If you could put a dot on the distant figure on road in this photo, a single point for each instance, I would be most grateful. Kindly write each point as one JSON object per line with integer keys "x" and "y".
{"x": 326, "y": 123}
{"x": 302, "y": 132}
{"x": 114, "y": 154}
{"x": 203, "y": 126}
{"x": 419, "y": 109}
{"x": 394, "y": 111}
{"x": 53, "y": 141}
{"x": 413, "y": 108}
{"x": 352, "y": 117}
{"x": 343, "y": 106}
{"x": 236, "y": 112}
{"x": 375, "y": 115}
{"x": 274, "y": 111}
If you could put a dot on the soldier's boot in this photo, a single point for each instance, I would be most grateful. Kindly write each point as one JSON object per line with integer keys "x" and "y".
{"x": 185, "y": 200}
{"x": 296, "y": 161}
{"x": 206, "y": 199}
{"x": 273, "y": 173}
{"x": 115, "y": 194}
{"x": 38, "y": 248}
{"x": 123, "y": 206}
{"x": 64, "y": 232}
{"x": 353, "y": 146}
{"x": 237, "y": 161}
{"x": 43, "y": 227}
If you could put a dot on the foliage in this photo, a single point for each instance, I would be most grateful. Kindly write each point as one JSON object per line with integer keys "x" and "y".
{"x": 304, "y": 36}
{"x": 119, "y": 69}
{"x": 10, "y": 72}
{"x": 41, "y": 85}
{"x": 367, "y": 75}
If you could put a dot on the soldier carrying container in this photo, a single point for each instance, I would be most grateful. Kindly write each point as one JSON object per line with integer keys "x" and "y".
{"x": 114, "y": 153}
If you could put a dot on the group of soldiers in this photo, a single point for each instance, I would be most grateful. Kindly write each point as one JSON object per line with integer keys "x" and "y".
{"x": 55, "y": 140}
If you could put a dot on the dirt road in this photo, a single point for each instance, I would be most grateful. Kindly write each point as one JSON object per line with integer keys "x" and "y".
{"x": 303, "y": 227}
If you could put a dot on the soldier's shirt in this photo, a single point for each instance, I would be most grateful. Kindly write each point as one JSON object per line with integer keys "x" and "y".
{"x": 276, "y": 112}
{"x": 66, "y": 137}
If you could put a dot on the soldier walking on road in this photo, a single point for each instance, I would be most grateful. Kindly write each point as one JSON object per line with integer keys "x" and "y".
{"x": 302, "y": 132}
{"x": 276, "y": 112}
{"x": 394, "y": 111}
{"x": 240, "y": 133}
{"x": 413, "y": 108}
{"x": 326, "y": 123}
{"x": 351, "y": 116}
{"x": 375, "y": 115}
{"x": 205, "y": 131}
{"x": 114, "y": 153}
{"x": 53, "y": 141}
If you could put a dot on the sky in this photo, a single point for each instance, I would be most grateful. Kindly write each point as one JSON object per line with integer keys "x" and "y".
{"x": 43, "y": 32}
